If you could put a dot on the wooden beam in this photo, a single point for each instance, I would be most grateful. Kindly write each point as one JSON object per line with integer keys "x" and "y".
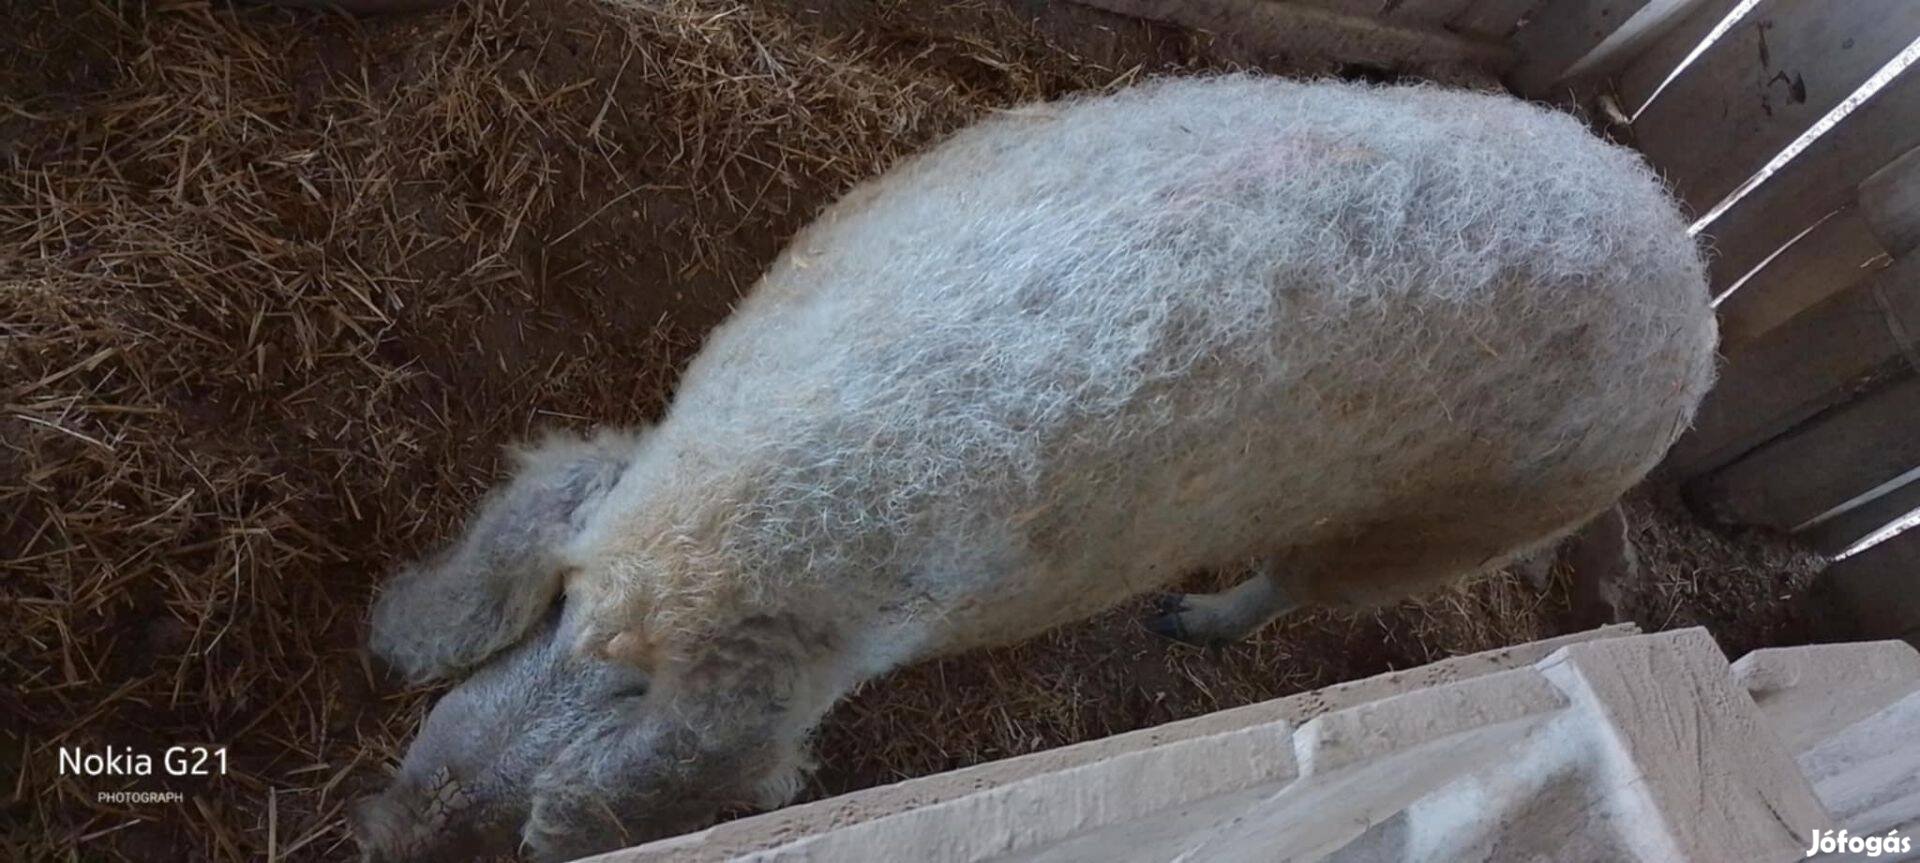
{"x": 1796, "y": 478}
{"x": 1890, "y": 201}
{"x": 1836, "y": 253}
{"x": 1493, "y": 19}
{"x": 1291, "y": 29}
{"x": 1783, "y": 67}
{"x": 1398, "y": 11}
{"x": 1567, "y": 39}
{"x": 1642, "y": 76}
{"x": 1832, "y": 254}
{"x": 1802, "y": 367}
{"x": 1840, "y": 531}
{"x": 1822, "y": 179}
{"x": 1881, "y": 586}
{"x": 1432, "y": 13}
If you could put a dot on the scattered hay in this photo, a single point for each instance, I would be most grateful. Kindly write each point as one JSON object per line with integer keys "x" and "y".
{"x": 275, "y": 287}
{"x": 1751, "y": 588}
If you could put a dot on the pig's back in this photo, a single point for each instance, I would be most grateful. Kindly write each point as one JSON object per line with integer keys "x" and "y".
{"x": 1172, "y": 327}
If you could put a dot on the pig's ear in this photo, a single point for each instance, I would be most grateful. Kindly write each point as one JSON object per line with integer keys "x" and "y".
{"x": 482, "y": 594}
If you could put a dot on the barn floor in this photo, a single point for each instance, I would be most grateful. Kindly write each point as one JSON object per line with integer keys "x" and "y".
{"x": 276, "y": 287}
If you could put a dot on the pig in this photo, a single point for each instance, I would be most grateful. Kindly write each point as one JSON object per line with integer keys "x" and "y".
{"x": 1354, "y": 340}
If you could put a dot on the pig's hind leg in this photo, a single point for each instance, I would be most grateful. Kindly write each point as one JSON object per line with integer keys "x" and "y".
{"x": 1380, "y": 563}
{"x": 1226, "y": 616}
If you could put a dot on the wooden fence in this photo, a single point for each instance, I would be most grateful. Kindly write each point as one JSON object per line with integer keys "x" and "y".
{"x": 1790, "y": 130}
{"x": 1795, "y": 137}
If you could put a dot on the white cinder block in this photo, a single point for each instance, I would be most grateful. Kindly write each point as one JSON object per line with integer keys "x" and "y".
{"x": 1599, "y": 747}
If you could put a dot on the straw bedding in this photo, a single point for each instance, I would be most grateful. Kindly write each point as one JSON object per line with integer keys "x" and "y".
{"x": 276, "y": 287}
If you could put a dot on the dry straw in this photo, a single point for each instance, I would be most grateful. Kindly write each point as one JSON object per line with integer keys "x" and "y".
{"x": 275, "y": 287}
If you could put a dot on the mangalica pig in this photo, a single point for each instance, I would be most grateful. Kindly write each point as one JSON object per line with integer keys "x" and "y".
{"x": 1356, "y": 341}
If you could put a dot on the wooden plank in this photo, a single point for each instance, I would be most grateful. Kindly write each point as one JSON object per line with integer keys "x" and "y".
{"x": 1796, "y": 478}
{"x": 1805, "y": 366}
{"x": 1493, "y": 19}
{"x": 1399, "y": 11}
{"x": 1571, "y": 38}
{"x": 1432, "y": 13}
{"x": 1836, "y": 253}
{"x": 1355, "y": 8}
{"x": 1881, "y": 586}
{"x": 1890, "y": 200}
{"x": 1822, "y": 179}
{"x": 1829, "y": 256}
{"x": 1840, "y": 531}
{"x": 1642, "y": 76}
{"x": 1770, "y": 78}
{"x": 1298, "y": 30}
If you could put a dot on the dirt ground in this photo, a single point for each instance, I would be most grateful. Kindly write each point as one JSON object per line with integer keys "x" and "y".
{"x": 276, "y": 287}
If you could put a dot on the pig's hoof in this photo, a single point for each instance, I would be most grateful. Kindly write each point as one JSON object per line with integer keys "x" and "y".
{"x": 1189, "y": 619}
{"x": 1167, "y": 620}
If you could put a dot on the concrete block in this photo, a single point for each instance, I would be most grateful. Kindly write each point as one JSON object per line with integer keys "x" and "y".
{"x": 1710, "y": 772}
{"x": 1365, "y": 766}
{"x": 1626, "y": 749}
{"x": 1851, "y": 714}
{"x": 1411, "y": 720}
{"x": 735, "y": 839}
{"x": 1868, "y": 775}
{"x": 1810, "y": 693}
{"x": 1604, "y": 746}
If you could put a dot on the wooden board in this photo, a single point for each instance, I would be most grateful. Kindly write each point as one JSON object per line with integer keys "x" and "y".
{"x": 1643, "y": 75}
{"x": 1821, "y": 180}
{"x": 1804, "y": 366}
{"x": 1770, "y": 78}
{"x": 1433, "y": 13}
{"x": 1840, "y": 532}
{"x": 1493, "y": 19}
{"x": 1838, "y": 252}
{"x": 1881, "y": 586}
{"x": 1890, "y": 201}
{"x": 1360, "y": 8}
{"x": 1570, "y": 38}
{"x": 1397, "y": 11}
{"x": 1329, "y": 31}
{"x": 1796, "y": 478}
